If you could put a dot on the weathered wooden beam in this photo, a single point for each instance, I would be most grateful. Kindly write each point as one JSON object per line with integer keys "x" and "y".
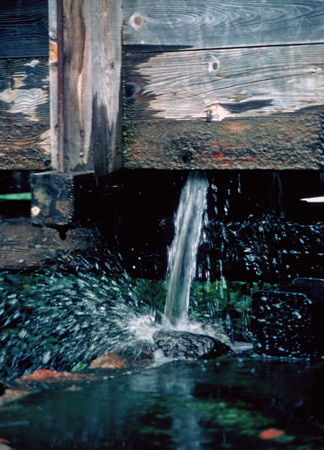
{"x": 232, "y": 108}
{"x": 200, "y": 24}
{"x": 216, "y": 84}
{"x": 283, "y": 141}
{"x": 24, "y": 86}
{"x": 23, "y": 26}
{"x": 24, "y": 114}
{"x": 92, "y": 85}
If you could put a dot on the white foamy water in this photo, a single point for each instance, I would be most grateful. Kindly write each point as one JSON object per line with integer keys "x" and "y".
{"x": 141, "y": 328}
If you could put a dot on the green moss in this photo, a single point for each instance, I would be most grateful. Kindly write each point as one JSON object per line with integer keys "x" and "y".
{"x": 234, "y": 417}
{"x": 20, "y": 196}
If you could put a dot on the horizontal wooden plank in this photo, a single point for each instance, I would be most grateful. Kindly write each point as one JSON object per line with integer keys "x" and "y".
{"x": 24, "y": 147}
{"x": 213, "y": 85}
{"x": 24, "y": 114}
{"x": 286, "y": 141}
{"x": 24, "y": 245}
{"x": 23, "y": 28}
{"x": 200, "y": 24}
{"x": 24, "y": 89}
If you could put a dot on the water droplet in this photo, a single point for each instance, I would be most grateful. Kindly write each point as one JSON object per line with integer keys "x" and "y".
{"x": 46, "y": 357}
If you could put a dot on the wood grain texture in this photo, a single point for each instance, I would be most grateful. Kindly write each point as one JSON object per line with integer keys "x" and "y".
{"x": 23, "y": 28}
{"x": 24, "y": 245}
{"x": 24, "y": 114}
{"x": 92, "y": 73}
{"x": 201, "y": 24}
{"x": 52, "y": 36}
{"x": 213, "y": 85}
{"x": 286, "y": 141}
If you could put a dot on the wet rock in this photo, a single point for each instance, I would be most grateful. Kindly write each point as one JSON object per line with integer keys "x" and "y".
{"x": 3, "y": 387}
{"x": 289, "y": 321}
{"x": 242, "y": 349}
{"x": 313, "y": 288}
{"x": 139, "y": 354}
{"x": 4, "y": 446}
{"x": 4, "y": 441}
{"x": 186, "y": 345}
{"x": 11, "y": 279}
{"x": 51, "y": 376}
{"x": 12, "y": 395}
{"x": 109, "y": 361}
{"x": 271, "y": 433}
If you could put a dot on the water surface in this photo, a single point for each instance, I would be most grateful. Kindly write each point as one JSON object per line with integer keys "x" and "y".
{"x": 224, "y": 403}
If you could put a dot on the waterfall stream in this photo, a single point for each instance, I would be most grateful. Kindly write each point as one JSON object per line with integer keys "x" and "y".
{"x": 183, "y": 250}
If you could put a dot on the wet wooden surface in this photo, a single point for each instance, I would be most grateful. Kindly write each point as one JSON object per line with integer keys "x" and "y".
{"x": 202, "y": 24}
{"x": 286, "y": 141}
{"x": 24, "y": 245}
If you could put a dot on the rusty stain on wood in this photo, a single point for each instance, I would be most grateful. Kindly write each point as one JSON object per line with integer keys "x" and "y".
{"x": 278, "y": 142}
{"x": 52, "y": 51}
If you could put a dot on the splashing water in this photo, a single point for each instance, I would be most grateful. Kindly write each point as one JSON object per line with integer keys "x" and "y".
{"x": 183, "y": 251}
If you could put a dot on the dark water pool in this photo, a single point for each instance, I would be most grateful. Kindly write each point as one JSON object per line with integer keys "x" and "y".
{"x": 225, "y": 403}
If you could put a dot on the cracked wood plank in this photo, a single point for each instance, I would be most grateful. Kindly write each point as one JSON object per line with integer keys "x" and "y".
{"x": 201, "y": 24}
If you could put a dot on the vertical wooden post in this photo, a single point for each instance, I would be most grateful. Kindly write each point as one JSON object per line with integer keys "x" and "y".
{"x": 90, "y": 100}
{"x": 60, "y": 129}
{"x": 85, "y": 77}
{"x": 52, "y": 31}
{"x": 92, "y": 84}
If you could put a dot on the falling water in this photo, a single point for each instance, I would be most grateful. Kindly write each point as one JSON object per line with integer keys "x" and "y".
{"x": 183, "y": 250}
